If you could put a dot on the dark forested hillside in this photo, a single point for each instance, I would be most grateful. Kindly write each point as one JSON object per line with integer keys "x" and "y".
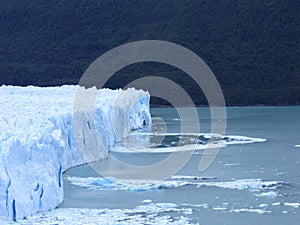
{"x": 252, "y": 46}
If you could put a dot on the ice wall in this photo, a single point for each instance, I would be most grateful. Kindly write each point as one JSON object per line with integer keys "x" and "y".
{"x": 37, "y": 140}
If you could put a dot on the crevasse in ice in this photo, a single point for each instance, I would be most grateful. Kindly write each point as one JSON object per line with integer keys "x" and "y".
{"x": 37, "y": 140}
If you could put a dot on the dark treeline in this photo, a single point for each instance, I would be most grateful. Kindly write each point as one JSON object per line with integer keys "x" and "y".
{"x": 252, "y": 46}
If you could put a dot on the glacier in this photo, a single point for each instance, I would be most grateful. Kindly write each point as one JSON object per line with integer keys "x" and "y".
{"x": 38, "y": 143}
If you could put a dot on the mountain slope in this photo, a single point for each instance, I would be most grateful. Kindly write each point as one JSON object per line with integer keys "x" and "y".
{"x": 251, "y": 46}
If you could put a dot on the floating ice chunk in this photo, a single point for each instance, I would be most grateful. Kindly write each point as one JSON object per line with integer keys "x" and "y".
{"x": 245, "y": 210}
{"x": 197, "y": 205}
{"x": 166, "y": 205}
{"x": 276, "y": 203}
{"x": 232, "y": 164}
{"x": 263, "y": 205}
{"x": 270, "y": 194}
{"x": 219, "y": 208}
{"x": 252, "y": 184}
{"x": 297, "y": 146}
{"x": 185, "y": 142}
{"x": 294, "y": 205}
{"x": 244, "y": 140}
{"x": 147, "y": 201}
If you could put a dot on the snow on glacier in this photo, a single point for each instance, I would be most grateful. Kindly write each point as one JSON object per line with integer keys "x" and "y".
{"x": 37, "y": 140}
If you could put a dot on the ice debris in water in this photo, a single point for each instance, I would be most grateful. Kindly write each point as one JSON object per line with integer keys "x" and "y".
{"x": 103, "y": 183}
{"x": 252, "y": 184}
{"x": 145, "y": 214}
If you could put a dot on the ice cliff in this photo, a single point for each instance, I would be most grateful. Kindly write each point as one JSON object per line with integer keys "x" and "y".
{"x": 37, "y": 140}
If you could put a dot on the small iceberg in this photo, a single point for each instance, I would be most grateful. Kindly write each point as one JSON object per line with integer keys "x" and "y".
{"x": 294, "y": 205}
{"x": 271, "y": 194}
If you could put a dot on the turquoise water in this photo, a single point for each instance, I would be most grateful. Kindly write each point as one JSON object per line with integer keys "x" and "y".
{"x": 240, "y": 192}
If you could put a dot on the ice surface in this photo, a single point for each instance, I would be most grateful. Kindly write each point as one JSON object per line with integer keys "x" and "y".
{"x": 37, "y": 140}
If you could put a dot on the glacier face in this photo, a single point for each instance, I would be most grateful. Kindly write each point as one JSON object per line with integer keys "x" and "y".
{"x": 38, "y": 142}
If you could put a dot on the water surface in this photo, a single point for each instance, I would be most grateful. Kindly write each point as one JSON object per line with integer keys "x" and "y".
{"x": 256, "y": 183}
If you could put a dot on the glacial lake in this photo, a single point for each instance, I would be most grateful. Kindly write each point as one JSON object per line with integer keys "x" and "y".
{"x": 247, "y": 183}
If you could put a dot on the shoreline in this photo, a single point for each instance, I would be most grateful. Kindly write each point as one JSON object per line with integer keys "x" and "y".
{"x": 227, "y": 106}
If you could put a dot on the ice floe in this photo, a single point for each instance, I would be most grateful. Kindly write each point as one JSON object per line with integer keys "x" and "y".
{"x": 174, "y": 142}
